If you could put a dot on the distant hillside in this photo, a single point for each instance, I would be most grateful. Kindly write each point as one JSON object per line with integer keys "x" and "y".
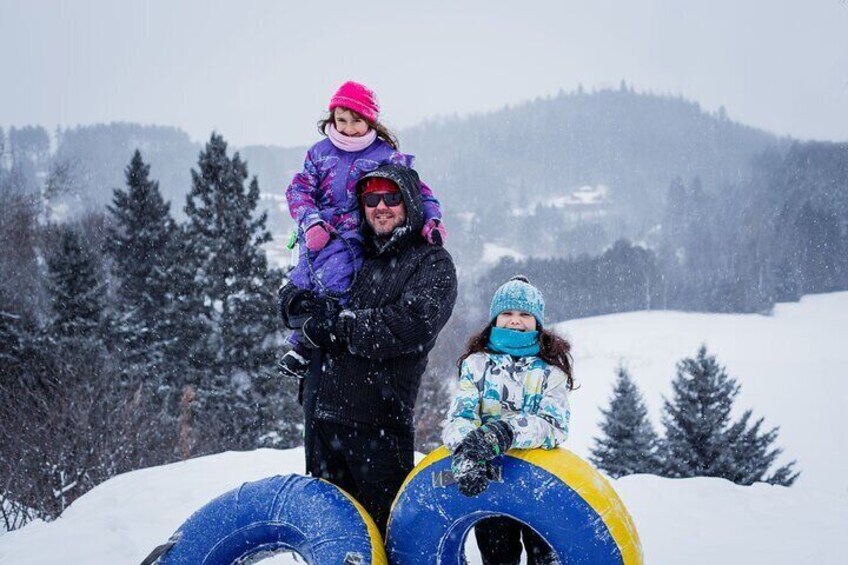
{"x": 578, "y": 170}
{"x": 98, "y": 154}
{"x": 274, "y": 167}
{"x": 525, "y": 167}
{"x": 633, "y": 143}
{"x": 605, "y": 159}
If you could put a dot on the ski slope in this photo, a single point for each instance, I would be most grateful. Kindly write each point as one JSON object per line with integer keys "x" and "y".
{"x": 791, "y": 366}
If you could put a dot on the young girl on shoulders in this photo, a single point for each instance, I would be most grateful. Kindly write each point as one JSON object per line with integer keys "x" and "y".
{"x": 323, "y": 202}
{"x": 514, "y": 382}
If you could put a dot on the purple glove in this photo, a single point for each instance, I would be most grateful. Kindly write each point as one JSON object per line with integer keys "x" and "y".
{"x": 317, "y": 237}
{"x": 434, "y": 232}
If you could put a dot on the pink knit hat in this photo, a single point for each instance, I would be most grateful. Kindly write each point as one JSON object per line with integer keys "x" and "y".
{"x": 357, "y": 97}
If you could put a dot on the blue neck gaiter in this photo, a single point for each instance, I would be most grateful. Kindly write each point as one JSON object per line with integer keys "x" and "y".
{"x": 514, "y": 342}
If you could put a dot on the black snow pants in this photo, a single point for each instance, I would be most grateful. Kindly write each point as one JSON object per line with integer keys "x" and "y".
{"x": 369, "y": 464}
{"x": 499, "y": 540}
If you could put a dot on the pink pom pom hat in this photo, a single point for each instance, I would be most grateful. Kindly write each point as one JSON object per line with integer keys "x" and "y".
{"x": 357, "y": 97}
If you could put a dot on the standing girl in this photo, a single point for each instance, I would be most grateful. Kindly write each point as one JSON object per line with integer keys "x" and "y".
{"x": 514, "y": 383}
{"x": 322, "y": 200}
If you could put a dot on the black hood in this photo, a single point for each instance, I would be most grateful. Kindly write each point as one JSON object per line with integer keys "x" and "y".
{"x": 410, "y": 188}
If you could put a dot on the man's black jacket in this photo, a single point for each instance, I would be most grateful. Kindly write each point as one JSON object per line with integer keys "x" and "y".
{"x": 401, "y": 300}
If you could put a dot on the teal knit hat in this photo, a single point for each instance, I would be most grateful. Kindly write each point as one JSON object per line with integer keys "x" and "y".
{"x": 518, "y": 294}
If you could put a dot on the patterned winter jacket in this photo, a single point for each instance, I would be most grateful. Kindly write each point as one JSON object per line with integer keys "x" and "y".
{"x": 527, "y": 392}
{"x": 326, "y": 188}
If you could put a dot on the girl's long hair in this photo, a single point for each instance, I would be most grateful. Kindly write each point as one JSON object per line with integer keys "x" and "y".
{"x": 553, "y": 350}
{"x": 382, "y": 131}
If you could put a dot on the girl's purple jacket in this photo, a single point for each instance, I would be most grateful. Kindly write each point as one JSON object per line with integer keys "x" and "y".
{"x": 326, "y": 191}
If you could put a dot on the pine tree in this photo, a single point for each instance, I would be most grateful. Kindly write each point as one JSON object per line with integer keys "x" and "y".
{"x": 224, "y": 236}
{"x": 188, "y": 353}
{"x": 75, "y": 291}
{"x": 697, "y": 420}
{"x": 700, "y": 438}
{"x": 231, "y": 265}
{"x": 629, "y": 443}
{"x": 139, "y": 241}
{"x": 753, "y": 455}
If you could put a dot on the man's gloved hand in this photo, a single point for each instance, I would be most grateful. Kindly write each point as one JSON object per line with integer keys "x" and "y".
{"x": 299, "y": 303}
{"x": 488, "y": 441}
{"x": 434, "y": 232}
{"x": 311, "y": 305}
{"x": 317, "y": 237}
{"x": 303, "y": 304}
{"x": 289, "y": 305}
{"x": 319, "y": 331}
{"x": 472, "y": 477}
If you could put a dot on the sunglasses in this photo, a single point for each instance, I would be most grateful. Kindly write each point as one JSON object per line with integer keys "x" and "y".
{"x": 372, "y": 199}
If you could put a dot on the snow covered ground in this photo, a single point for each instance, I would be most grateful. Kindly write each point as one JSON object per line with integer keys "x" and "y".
{"x": 791, "y": 366}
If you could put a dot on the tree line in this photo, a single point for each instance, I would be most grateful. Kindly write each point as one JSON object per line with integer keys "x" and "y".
{"x": 130, "y": 340}
{"x": 775, "y": 239}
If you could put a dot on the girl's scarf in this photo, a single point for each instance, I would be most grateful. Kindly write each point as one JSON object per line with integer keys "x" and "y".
{"x": 514, "y": 342}
{"x": 348, "y": 143}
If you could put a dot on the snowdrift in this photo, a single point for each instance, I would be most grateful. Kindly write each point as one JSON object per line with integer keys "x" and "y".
{"x": 791, "y": 368}
{"x": 693, "y": 521}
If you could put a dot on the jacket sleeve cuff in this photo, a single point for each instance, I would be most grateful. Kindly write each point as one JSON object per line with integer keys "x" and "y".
{"x": 311, "y": 220}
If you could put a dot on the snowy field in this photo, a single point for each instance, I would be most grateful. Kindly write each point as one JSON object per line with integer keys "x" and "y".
{"x": 791, "y": 366}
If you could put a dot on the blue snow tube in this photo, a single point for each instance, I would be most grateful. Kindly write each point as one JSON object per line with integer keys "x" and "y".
{"x": 560, "y": 496}
{"x": 311, "y": 517}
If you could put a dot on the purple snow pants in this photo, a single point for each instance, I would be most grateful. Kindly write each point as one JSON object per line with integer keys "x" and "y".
{"x": 334, "y": 266}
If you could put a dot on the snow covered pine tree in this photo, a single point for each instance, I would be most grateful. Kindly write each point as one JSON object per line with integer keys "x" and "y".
{"x": 629, "y": 443}
{"x": 701, "y": 441}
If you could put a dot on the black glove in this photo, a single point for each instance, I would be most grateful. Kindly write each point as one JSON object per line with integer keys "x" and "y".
{"x": 488, "y": 441}
{"x": 289, "y": 305}
{"x": 297, "y": 306}
{"x": 319, "y": 331}
{"x": 472, "y": 477}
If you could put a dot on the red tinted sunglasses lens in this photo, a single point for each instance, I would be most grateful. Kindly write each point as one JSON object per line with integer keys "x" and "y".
{"x": 372, "y": 199}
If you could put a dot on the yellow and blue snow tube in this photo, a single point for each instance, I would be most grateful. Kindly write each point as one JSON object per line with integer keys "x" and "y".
{"x": 559, "y": 495}
{"x": 291, "y": 513}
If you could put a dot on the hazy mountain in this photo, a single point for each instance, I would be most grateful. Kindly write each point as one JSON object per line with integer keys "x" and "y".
{"x": 97, "y": 155}
{"x": 602, "y": 161}
{"x": 577, "y": 170}
{"x": 605, "y": 158}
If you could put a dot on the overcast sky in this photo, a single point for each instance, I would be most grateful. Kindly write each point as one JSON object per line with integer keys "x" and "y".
{"x": 261, "y": 72}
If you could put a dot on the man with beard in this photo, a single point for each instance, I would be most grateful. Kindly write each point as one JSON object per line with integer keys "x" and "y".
{"x": 370, "y": 353}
